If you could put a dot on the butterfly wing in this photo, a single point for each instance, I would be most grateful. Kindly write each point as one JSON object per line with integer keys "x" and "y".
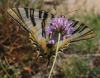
{"x": 34, "y": 21}
{"x": 81, "y": 32}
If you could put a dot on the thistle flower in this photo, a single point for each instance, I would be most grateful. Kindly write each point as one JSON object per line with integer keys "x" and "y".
{"x": 59, "y": 25}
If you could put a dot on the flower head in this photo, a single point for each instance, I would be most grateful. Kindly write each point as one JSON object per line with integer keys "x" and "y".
{"x": 59, "y": 25}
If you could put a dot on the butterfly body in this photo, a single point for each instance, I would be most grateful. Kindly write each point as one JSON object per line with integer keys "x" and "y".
{"x": 36, "y": 21}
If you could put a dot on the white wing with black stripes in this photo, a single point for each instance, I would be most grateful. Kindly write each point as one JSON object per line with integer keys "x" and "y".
{"x": 35, "y": 21}
{"x": 81, "y": 31}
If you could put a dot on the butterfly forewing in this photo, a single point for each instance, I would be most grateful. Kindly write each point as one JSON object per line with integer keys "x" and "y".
{"x": 81, "y": 31}
{"x": 34, "y": 21}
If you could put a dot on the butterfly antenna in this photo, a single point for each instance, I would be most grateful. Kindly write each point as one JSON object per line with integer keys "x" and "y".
{"x": 55, "y": 6}
{"x": 71, "y": 12}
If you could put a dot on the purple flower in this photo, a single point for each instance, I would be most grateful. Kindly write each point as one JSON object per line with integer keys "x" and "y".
{"x": 59, "y": 25}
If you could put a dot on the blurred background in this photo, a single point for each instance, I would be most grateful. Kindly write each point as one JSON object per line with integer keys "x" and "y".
{"x": 80, "y": 60}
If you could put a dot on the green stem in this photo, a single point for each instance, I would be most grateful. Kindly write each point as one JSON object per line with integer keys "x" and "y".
{"x": 55, "y": 57}
{"x": 5, "y": 70}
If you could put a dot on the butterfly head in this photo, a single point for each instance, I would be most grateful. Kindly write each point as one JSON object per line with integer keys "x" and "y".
{"x": 62, "y": 16}
{"x": 49, "y": 45}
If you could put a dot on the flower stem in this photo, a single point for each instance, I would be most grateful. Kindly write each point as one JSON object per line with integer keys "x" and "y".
{"x": 55, "y": 57}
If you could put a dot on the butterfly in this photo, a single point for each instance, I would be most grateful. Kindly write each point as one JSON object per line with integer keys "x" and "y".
{"x": 35, "y": 22}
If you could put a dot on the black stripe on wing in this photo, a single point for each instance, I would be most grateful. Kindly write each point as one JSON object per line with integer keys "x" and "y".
{"x": 80, "y": 28}
{"x": 45, "y": 15}
{"x": 32, "y": 16}
{"x": 40, "y": 14}
{"x": 18, "y": 14}
{"x": 27, "y": 13}
{"x": 29, "y": 17}
{"x": 81, "y": 31}
{"x": 12, "y": 12}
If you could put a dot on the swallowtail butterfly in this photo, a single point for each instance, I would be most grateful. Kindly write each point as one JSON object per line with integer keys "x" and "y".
{"x": 35, "y": 21}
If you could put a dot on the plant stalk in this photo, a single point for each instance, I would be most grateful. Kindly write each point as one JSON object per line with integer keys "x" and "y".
{"x": 55, "y": 57}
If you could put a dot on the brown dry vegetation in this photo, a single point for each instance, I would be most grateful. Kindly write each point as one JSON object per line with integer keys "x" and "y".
{"x": 15, "y": 48}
